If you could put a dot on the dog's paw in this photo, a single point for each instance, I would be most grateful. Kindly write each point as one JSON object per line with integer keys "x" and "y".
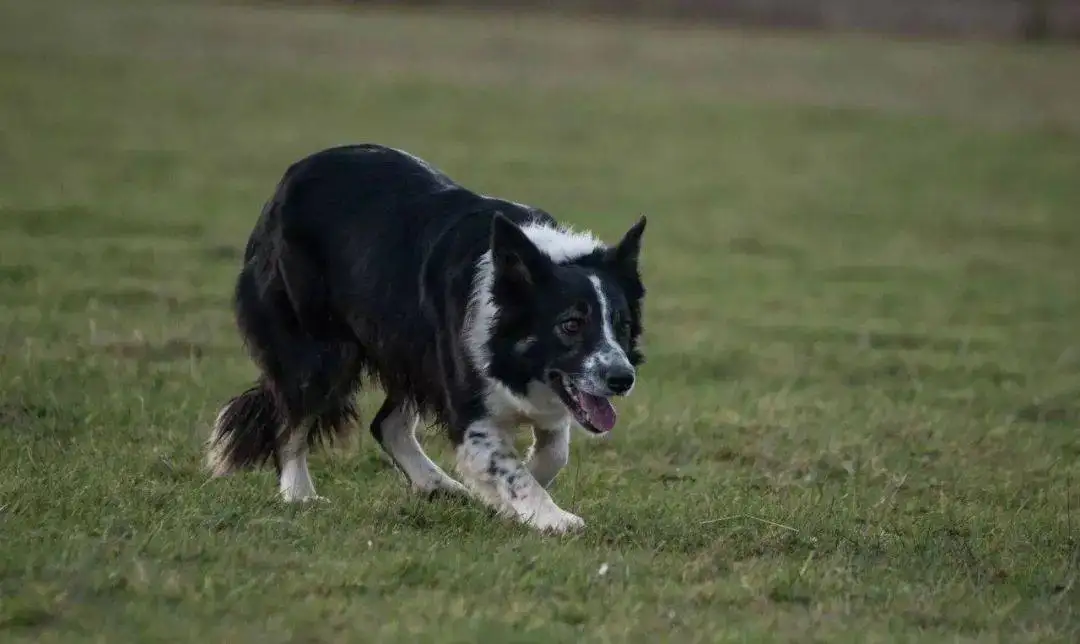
{"x": 556, "y": 521}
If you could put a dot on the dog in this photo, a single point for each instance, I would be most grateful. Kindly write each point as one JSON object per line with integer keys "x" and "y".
{"x": 482, "y": 314}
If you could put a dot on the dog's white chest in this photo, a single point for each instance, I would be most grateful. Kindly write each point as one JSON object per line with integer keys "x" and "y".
{"x": 540, "y": 406}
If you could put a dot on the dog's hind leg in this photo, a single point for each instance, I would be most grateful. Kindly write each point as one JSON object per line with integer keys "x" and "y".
{"x": 295, "y": 444}
{"x": 325, "y": 412}
{"x": 309, "y": 359}
{"x": 294, "y": 479}
{"x": 310, "y": 379}
{"x": 394, "y": 427}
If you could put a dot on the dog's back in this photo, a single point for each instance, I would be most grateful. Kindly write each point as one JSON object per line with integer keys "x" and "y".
{"x": 372, "y": 217}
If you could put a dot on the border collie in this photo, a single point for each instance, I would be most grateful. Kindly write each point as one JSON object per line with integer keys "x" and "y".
{"x": 477, "y": 312}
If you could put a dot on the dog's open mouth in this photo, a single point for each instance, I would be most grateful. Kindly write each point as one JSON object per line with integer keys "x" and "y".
{"x": 594, "y": 413}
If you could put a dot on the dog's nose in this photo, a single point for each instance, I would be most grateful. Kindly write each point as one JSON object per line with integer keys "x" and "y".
{"x": 620, "y": 380}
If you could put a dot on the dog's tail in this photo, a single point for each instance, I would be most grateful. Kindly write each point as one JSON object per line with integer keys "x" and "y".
{"x": 245, "y": 432}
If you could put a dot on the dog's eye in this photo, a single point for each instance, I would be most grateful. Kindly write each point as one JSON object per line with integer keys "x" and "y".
{"x": 571, "y": 326}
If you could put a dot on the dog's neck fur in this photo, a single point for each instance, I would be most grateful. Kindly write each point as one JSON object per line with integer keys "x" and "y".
{"x": 540, "y": 403}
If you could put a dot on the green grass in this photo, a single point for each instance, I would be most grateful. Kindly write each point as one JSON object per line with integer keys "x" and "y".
{"x": 858, "y": 422}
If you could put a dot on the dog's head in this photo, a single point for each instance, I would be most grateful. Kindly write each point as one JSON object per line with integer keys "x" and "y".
{"x": 572, "y": 325}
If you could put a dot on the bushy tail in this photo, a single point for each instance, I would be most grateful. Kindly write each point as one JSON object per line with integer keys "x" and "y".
{"x": 245, "y": 434}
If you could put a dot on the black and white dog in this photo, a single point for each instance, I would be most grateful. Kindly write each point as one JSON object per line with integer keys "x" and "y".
{"x": 478, "y": 312}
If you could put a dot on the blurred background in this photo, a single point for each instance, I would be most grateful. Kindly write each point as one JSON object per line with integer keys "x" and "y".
{"x": 1025, "y": 19}
{"x": 863, "y": 263}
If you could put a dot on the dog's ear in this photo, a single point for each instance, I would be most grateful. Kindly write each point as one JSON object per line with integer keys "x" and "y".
{"x": 625, "y": 254}
{"x": 516, "y": 261}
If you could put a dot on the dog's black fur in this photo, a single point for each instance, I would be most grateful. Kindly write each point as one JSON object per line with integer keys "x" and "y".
{"x": 363, "y": 264}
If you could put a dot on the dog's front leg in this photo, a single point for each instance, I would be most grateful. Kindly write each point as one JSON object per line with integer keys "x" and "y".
{"x": 550, "y": 452}
{"x": 488, "y": 465}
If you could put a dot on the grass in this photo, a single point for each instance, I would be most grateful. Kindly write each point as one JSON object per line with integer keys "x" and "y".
{"x": 859, "y": 417}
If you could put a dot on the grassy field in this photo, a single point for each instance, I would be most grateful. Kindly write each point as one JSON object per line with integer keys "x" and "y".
{"x": 859, "y": 420}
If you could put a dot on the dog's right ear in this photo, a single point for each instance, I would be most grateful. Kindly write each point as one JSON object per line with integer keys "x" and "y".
{"x": 516, "y": 261}
{"x": 627, "y": 251}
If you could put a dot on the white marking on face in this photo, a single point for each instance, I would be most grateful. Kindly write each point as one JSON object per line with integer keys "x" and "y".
{"x": 610, "y": 352}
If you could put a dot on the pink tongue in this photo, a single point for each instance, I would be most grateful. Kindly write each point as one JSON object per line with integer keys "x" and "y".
{"x": 599, "y": 410}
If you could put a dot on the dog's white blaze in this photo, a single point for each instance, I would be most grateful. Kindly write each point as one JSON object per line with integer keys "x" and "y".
{"x": 399, "y": 439}
{"x": 610, "y": 351}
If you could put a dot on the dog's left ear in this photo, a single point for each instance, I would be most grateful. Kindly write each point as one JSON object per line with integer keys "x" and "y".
{"x": 518, "y": 263}
{"x": 625, "y": 254}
